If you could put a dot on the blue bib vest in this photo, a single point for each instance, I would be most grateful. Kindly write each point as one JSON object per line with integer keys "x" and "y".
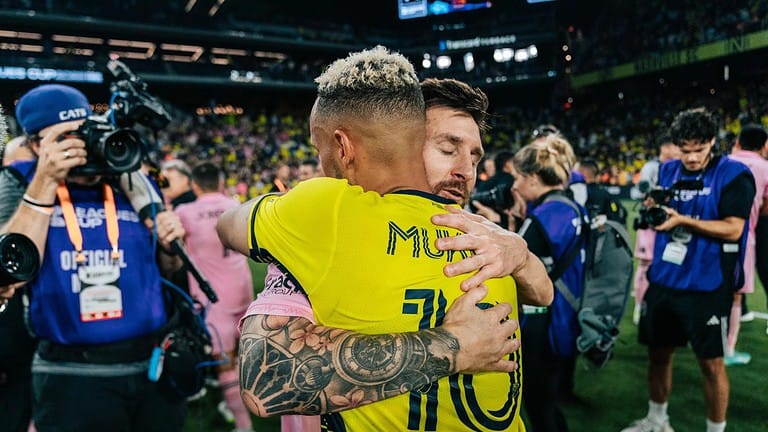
{"x": 563, "y": 228}
{"x": 709, "y": 263}
{"x": 55, "y": 302}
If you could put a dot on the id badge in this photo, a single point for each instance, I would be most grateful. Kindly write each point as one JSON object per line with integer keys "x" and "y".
{"x": 674, "y": 253}
{"x": 100, "y": 296}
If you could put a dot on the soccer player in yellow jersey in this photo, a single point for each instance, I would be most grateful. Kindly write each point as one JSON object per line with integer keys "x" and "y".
{"x": 367, "y": 262}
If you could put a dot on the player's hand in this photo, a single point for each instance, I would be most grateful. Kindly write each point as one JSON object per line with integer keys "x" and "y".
{"x": 485, "y": 335}
{"x": 497, "y": 252}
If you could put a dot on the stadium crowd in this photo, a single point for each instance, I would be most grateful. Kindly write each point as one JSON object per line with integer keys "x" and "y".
{"x": 657, "y": 26}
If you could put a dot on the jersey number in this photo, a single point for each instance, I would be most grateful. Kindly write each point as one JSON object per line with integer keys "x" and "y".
{"x": 431, "y": 305}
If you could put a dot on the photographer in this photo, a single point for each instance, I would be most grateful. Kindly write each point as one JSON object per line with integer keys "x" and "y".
{"x": 553, "y": 228}
{"x": 97, "y": 303}
{"x": 697, "y": 264}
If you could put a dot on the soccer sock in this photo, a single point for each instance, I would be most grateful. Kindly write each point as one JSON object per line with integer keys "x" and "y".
{"x": 230, "y": 387}
{"x": 715, "y": 427}
{"x": 734, "y": 325}
{"x": 657, "y": 411}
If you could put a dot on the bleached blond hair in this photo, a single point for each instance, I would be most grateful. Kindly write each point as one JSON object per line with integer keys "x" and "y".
{"x": 373, "y": 84}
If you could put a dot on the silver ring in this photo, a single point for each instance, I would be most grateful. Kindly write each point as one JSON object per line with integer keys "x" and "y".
{"x": 66, "y": 154}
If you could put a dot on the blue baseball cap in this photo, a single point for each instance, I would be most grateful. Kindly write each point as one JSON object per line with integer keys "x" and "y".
{"x": 50, "y": 104}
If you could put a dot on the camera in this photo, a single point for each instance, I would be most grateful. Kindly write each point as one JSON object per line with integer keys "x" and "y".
{"x": 111, "y": 151}
{"x": 656, "y": 215}
{"x": 113, "y": 147}
{"x": 498, "y": 197}
{"x": 19, "y": 259}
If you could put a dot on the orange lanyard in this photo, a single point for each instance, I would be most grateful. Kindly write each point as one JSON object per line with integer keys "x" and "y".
{"x": 73, "y": 227}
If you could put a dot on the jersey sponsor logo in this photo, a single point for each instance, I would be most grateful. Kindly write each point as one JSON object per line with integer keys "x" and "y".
{"x": 421, "y": 243}
{"x": 73, "y": 114}
{"x": 280, "y": 284}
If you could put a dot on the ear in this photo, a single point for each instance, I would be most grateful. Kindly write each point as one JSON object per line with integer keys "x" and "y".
{"x": 345, "y": 147}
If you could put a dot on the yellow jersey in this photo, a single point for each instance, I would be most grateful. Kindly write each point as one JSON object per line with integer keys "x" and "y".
{"x": 368, "y": 263}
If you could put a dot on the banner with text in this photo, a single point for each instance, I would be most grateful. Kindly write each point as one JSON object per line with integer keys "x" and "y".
{"x": 728, "y": 47}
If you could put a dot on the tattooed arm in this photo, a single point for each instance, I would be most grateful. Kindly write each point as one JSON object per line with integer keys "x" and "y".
{"x": 290, "y": 366}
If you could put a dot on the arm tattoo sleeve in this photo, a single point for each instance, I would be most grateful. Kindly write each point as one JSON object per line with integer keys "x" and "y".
{"x": 289, "y": 365}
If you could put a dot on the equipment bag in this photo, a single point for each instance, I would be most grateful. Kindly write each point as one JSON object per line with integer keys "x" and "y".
{"x": 608, "y": 273}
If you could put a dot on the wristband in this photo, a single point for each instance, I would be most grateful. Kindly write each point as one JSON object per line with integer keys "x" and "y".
{"x": 29, "y": 200}
{"x": 40, "y": 209}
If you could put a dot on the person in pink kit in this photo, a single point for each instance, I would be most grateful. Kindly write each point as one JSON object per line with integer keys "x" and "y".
{"x": 229, "y": 275}
{"x": 751, "y": 141}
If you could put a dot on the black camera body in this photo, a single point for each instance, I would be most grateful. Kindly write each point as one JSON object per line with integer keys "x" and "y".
{"x": 111, "y": 150}
{"x": 19, "y": 259}
{"x": 498, "y": 198}
{"x": 113, "y": 147}
{"x": 655, "y": 215}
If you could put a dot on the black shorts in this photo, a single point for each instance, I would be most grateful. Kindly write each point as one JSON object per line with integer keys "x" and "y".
{"x": 673, "y": 318}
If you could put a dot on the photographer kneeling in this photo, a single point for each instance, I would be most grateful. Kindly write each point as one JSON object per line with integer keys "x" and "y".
{"x": 97, "y": 303}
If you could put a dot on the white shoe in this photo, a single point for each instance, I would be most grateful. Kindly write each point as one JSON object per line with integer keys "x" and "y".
{"x": 225, "y": 412}
{"x": 648, "y": 425}
{"x": 748, "y": 317}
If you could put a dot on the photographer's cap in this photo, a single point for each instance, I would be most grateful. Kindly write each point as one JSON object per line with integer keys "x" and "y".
{"x": 50, "y": 104}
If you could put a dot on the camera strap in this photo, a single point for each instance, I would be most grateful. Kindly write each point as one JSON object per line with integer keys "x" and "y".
{"x": 73, "y": 227}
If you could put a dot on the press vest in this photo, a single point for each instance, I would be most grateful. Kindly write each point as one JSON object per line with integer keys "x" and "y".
{"x": 55, "y": 301}
{"x": 709, "y": 263}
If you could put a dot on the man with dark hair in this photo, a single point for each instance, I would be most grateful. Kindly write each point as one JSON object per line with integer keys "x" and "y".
{"x": 309, "y": 168}
{"x": 752, "y": 140}
{"x": 697, "y": 264}
{"x": 359, "y": 99}
{"x": 230, "y": 278}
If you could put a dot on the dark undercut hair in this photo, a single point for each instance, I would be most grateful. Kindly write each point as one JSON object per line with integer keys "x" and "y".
{"x": 454, "y": 94}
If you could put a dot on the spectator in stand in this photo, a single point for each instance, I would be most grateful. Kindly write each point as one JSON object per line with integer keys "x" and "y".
{"x": 752, "y": 140}
{"x": 179, "y": 187}
{"x": 230, "y": 278}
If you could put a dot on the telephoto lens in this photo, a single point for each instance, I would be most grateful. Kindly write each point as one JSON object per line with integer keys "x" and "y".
{"x": 19, "y": 259}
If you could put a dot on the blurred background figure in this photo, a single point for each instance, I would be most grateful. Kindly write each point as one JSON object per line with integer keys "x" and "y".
{"x": 309, "y": 168}
{"x": 179, "y": 183}
{"x": 230, "y": 278}
{"x": 752, "y": 140}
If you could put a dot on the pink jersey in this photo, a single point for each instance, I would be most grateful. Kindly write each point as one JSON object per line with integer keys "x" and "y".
{"x": 226, "y": 270}
{"x": 759, "y": 168}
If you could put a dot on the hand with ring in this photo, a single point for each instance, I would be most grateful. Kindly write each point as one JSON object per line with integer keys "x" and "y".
{"x": 58, "y": 152}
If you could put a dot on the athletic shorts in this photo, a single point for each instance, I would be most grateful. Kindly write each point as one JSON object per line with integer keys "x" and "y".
{"x": 672, "y": 318}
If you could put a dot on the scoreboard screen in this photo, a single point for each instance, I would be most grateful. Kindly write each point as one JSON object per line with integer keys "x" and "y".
{"x": 407, "y": 9}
